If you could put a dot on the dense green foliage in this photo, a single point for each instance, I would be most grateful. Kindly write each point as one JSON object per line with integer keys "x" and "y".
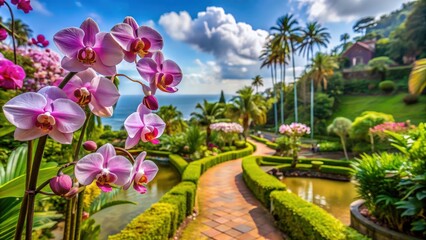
{"x": 304, "y": 220}
{"x": 387, "y": 86}
{"x": 362, "y": 124}
{"x": 178, "y": 162}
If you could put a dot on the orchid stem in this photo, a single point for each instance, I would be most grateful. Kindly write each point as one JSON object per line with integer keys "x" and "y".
{"x": 32, "y": 186}
{"x": 79, "y": 214}
{"x": 131, "y": 79}
{"x": 67, "y": 78}
{"x": 13, "y": 31}
{"x": 126, "y": 152}
{"x": 29, "y": 162}
{"x": 64, "y": 166}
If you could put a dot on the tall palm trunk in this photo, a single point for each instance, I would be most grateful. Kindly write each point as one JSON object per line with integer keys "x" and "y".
{"x": 246, "y": 123}
{"x": 295, "y": 85}
{"x": 282, "y": 94}
{"x": 275, "y": 103}
{"x": 208, "y": 134}
{"x": 312, "y": 100}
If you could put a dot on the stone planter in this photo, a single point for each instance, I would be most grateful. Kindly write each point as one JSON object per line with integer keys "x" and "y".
{"x": 369, "y": 228}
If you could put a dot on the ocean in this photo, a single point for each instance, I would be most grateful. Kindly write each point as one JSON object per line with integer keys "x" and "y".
{"x": 127, "y": 104}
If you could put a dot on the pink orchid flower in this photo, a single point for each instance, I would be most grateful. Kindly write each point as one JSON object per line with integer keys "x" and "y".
{"x": 3, "y": 34}
{"x": 162, "y": 74}
{"x": 86, "y": 47}
{"x": 98, "y": 92}
{"x": 142, "y": 173}
{"x": 104, "y": 166}
{"x": 143, "y": 125}
{"x": 24, "y": 5}
{"x": 48, "y": 111}
{"x": 11, "y": 75}
{"x": 135, "y": 40}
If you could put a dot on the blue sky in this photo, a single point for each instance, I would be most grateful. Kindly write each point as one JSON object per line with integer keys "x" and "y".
{"x": 216, "y": 42}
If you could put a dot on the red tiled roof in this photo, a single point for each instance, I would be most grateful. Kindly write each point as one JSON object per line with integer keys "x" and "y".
{"x": 364, "y": 45}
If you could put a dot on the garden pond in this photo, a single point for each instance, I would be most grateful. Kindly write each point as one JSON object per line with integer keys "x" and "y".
{"x": 115, "y": 218}
{"x": 333, "y": 196}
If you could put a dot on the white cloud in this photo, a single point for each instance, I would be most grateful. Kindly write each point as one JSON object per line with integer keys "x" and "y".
{"x": 149, "y": 23}
{"x": 78, "y": 4}
{"x": 236, "y": 46}
{"x": 39, "y": 7}
{"x": 345, "y": 10}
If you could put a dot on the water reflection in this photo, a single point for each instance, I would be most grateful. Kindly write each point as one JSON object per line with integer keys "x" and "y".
{"x": 114, "y": 219}
{"x": 333, "y": 196}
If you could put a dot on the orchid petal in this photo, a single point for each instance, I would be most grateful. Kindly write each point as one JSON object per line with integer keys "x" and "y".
{"x": 150, "y": 169}
{"x": 104, "y": 69}
{"x": 154, "y": 120}
{"x": 100, "y": 110}
{"x": 147, "y": 68}
{"x": 145, "y": 130}
{"x": 72, "y": 64}
{"x": 108, "y": 50}
{"x": 133, "y": 124}
{"x": 104, "y": 187}
{"x": 132, "y": 22}
{"x": 88, "y": 168}
{"x": 90, "y": 28}
{"x": 28, "y": 134}
{"x": 153, "y": 36}
{"x": 86, "y": 76}
{"x": 121, "y": 167}
{"x": 140, "y": 188}
{"x": 139, "y": 160}
{"x": 106, "y": 92}
{"x": 23, "y": 109}
{"x": 71, "y": 86}
{"x": 69, "y": 116}
{"x": 107, "y": 151}
{"x": 124, "y": 35}
{"x": 129, "y": 57}
{"x": 132, "y": 141}
{"x": 69, "y": 41}
{"x": 142, "y": 110}
{"x": 172, "y": 68}
{"x": 52, "y": 93}
{"x": 158, "y": 57}
{"x": 61, "y": 137}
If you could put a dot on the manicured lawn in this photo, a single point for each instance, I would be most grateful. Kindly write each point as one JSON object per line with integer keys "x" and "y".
{"x": 353, "y": 106}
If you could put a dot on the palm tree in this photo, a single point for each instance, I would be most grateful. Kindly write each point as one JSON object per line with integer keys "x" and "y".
{"x": 417, "y": 81}
{"x": 248, "y": 108}
{"x": 341, "y": 127}
{"x": 173, "y": 119}
{"x": 322, "y": 67}
{"x": 286, "y": 36}
{"x": 313, "y": 35}
{"x": 344, "y": 38}
{"x": 210, "y": 113}
{"x": 268, "y": 58}
{"x": 22, "y": 30}
{"x": 257, "y": 81}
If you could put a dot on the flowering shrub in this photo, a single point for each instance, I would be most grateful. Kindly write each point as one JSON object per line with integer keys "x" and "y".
{"x": 294, "y": 131}
{"x": 227, "y": 130}
{"x": 396, "y": 127}
{"x": 62, "y": 106}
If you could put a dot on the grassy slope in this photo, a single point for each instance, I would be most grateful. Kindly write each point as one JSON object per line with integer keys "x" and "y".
{"x": 353, "y": 106}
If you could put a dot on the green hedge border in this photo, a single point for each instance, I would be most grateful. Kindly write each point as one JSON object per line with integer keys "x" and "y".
{"x": 294, "y": 216}
{"x": 162, "y": 219}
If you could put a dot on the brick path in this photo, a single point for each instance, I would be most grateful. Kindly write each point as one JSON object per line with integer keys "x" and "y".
{"x": 228, "y": 210}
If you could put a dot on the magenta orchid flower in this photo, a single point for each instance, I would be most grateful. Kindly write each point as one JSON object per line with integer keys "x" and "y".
{"x": 48, "y": 111}
{"x": 3, "y": 34}
{"x": 162, "y": 74}
{"x": 104, "y": 166}
{"x": 143, "y": 125}
{"x": 135, "y": 40}
{"x": 142, "y": 173}
{"x": 24, "y": 5}
{"x": 86, "y": 47}
{"x": 11, "y": 75}
{"x": 98, "y": 92}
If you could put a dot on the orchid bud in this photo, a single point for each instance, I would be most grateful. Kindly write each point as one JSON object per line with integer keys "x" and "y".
{"x": 40, "y": 38}
{"x": 61, "y": 185}
{"x": 3, "y": 34}
{"x": 85, "y": 216}
{"x": 150, "y": 102}
{"x": 90, "y": 146}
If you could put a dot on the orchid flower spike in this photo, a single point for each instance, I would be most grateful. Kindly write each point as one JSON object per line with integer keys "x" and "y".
{"x": 48, "y": 111}
{"x": 86, "y": 47}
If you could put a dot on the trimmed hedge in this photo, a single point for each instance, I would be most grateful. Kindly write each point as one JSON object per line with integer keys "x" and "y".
{"x": 189, "y": 190}
{"x": 337, "y": 170}
{"x": 260, "y": 183}
{"x": 274, "y": 160}
{"x": 179, "y": 163}
{"x": 179, "y": 210}
{"x": 272, "y": 145}
{"x": 259, "y": 139}
{"x": 192, "y": 172}
{"x": 304, "y": 220}
{"x": 152, "y": 224}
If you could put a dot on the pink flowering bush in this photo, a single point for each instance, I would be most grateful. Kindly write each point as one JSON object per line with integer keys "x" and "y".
{"x": 294, "y": 131}
{"x": 228, "y": 131}
{"x": 396, "y": 127}
{"x": 60, "y": 107}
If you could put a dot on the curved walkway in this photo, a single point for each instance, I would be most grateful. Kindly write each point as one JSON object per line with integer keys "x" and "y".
{"x": 228, "y": 210}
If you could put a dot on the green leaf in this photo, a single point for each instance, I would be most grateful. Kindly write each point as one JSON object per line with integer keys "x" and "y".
{"x": 419, "y": 225}
{"x": 421, "y": 195}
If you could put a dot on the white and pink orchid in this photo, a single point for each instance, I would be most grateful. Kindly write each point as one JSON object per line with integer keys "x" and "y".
{"x": 143, "y": 172}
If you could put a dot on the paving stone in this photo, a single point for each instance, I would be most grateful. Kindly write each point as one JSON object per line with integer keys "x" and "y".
{"x": 243, "y": 228}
